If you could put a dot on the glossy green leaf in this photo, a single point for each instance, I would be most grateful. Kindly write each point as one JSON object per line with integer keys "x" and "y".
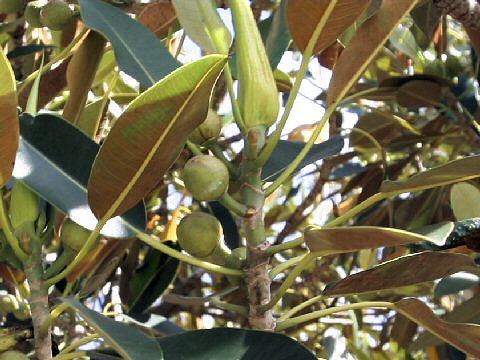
{"x": 149, "y": 135}
{"x": 463, "y": 336}
{"x": 402, "y": 271}
{"x": 402, "y": 39}
{"x": 54, "y": 159}
{"x": 455, "y": 283}
{"x": 452, "y": 172}
{"x": 147, "y": 60}
{"x": 337, "y": 240}
{"x": 286, "y": 151}
{"x": 9, "y": 130}
{"x": 436, "y": 233}
{"x": 465, "y": 201}
{"x": 151, "y": 279}
{"x": 129, "y": 342}
{"x": 197, "y": 17}
{"x": 232, "y": 344}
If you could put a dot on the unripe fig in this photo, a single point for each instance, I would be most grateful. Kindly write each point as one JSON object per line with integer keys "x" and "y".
{"x": 199, "y": 234}
{"x": 8, "y": 303}
{"x": 24, "y": 206}
{"x": 208, "y": 130}
{"x": 74, "y": 235}
{"x": 32, "y": 13}
{"x": 23, "y": 312}
{"x": 56, "y": 15}
{"x": 13, "y": 355}
{"x": 205, "y": 177}
{"x": 11, "y": 6}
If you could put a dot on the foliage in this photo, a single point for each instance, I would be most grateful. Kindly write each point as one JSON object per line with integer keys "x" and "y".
{"x": 149, "y": 211}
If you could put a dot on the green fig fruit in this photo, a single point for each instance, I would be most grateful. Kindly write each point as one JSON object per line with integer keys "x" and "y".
{"x": 32, "y": 13}
{"x": 11, "y": 6}
{"x": 208, "y": 130}
{"x": 23, "y": 312}
{"x": 205, "y": 177}
{"x": 13, "y": 355}
{"x": 56, "y": 15}
{"x": 199, "y": 234}
{"x": 8, "y": 303}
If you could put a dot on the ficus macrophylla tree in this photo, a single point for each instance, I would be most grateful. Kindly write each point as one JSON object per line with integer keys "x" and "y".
{"x": 162, "y": 204}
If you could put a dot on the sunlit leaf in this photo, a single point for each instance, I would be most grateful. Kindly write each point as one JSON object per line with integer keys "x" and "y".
{"x": 147, "y": 60}
{"x": 303, "y": 17}
{"x": 463, "y": 336}
{"x": 402, "y": 271}
{"x": 9, "y": 130}
{"x": 337, "y": 240}
{"x": 129, "y": 342}
{"x": 365, "y": 45}
{"x": 197, "y": 17}
{"x": 149, "y": 135}
{"x": 465, "y": 201}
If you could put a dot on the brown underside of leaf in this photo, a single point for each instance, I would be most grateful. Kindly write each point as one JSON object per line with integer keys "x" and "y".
{"x": 348, "y": 239}
{"x": 51, "y": 83}
{"x": 158, "y": 17}
{"x": 403, "y": 271}
{"x": 463, "y": 336}
{"x": 148, "y": 137}
{"x": 365, "y": 44}
{"x": 303, "y": 17}
{"x": 10, "y": 134}
{"x": 452, "y": 172}
{"x": 81, "y": 72}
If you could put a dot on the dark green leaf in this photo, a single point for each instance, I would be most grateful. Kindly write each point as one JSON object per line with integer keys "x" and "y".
{"x": 286, "y": 151}
{"x": 427, "y": 17}
{"x": 232, "y": 344}
{"x": 27, "y": 50}
{"x": 55, "y": 159}
{"x": 129, "y": 342}
{"x": 455, "y": 283}
{"x": 229, "y": 226}
{"x": 151, "y": 279}
{"x": 147, "y": 60}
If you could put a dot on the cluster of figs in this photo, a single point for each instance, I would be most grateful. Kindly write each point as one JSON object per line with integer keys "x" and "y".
{"x": 54, "y": 14}
{"x": 206, "y": 178}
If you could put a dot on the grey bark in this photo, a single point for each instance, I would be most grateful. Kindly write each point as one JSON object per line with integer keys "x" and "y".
{"x": 466, "y": 12}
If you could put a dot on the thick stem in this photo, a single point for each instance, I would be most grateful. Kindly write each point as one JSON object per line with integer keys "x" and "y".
{"x": 38, "y": 298}
{"x": 257, "y": 268}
